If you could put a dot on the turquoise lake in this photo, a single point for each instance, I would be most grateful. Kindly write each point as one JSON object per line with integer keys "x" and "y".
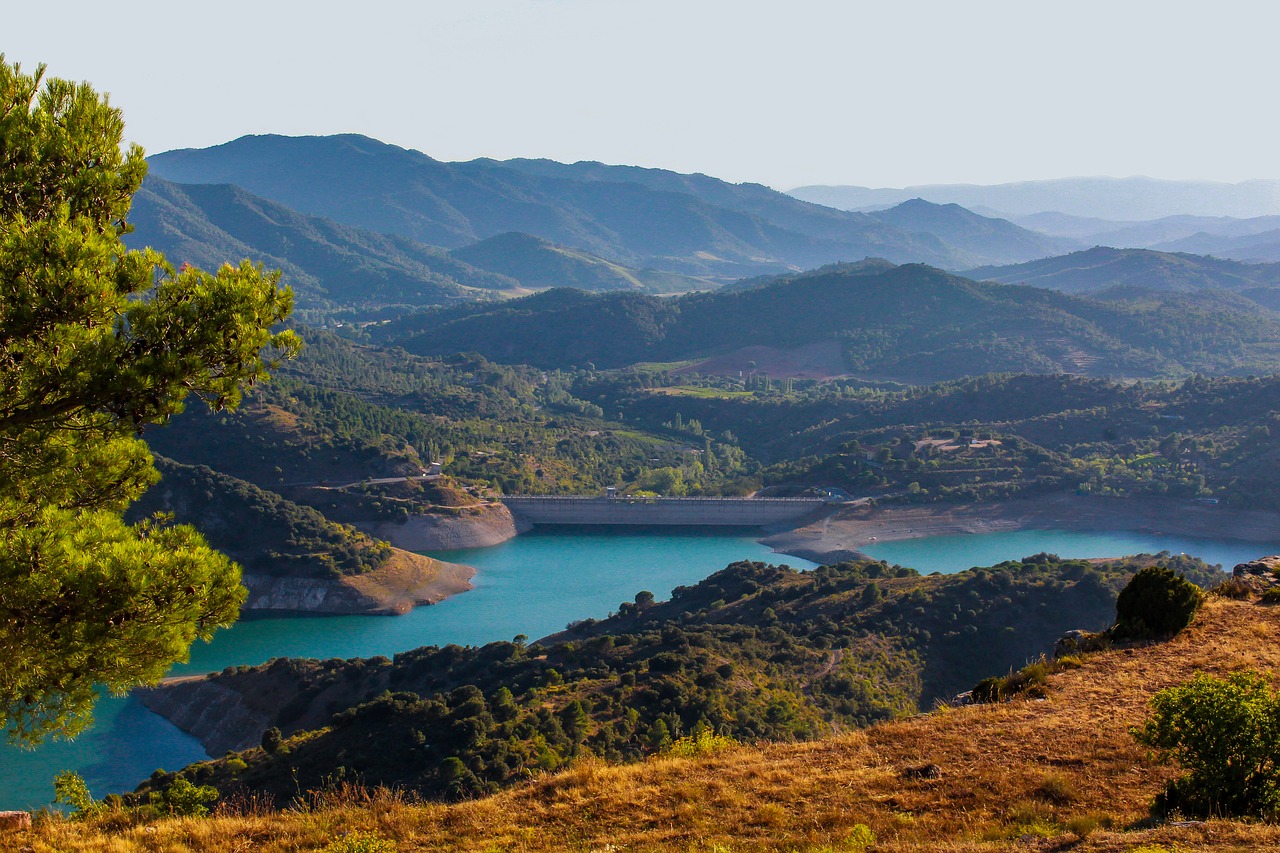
{"x": 531, "y": 585}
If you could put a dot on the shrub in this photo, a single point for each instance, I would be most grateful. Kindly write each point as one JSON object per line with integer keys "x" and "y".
{"x": 1157, "y": 602}
{"x": 1226, "y": 732}
{"x": 860, "y": 838}
{"x": 1272, "y": 595}
{"x": 183, "y": 799}
{"x": 704, "y": 743}
{"x": 271, "y": 740}
{"x": 69, "y": 789}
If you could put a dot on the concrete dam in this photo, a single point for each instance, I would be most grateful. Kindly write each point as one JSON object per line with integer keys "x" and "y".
{"x": 662, "y": 512}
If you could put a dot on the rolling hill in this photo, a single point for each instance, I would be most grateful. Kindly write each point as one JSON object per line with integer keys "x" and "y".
{"x": 329, "y": 265}
{"x": 1101, "y": 268}
{"x": 911, "y": 323}
{"x": 966, "y": 231}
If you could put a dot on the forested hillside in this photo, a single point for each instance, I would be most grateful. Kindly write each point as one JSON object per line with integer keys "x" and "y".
{"x": 909, "y": 323}
{"x": 754, "y": 651}
{"x": 1102, "y": 268}
{"x": 334, "y": 269}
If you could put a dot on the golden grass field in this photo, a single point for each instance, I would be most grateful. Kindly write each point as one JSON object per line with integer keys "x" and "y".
{"x": 1060, "y": 774}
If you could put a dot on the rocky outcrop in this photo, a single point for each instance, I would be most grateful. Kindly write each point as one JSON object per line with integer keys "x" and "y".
{"x": 470, "y": 527}
{"x": 218, "y": 716}
{"x": 1261, "y": 574}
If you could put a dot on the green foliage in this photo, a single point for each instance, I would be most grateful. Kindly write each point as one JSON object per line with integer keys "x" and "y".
{"x": 96, "y": 343}
{"x": 183, "y": 799}
{"x": 1156, "y": 603}
{"x": 264, "y": 532}
{"x": 753, "y": 652}
{"x": 860, "y": 838}
{"x": 704, "y": 742}
{"x": 69, "y": 789}
{"x": 1226, "y": 733}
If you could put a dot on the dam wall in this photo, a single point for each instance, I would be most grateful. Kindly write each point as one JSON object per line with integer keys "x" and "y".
{"x": 662, "y": 512}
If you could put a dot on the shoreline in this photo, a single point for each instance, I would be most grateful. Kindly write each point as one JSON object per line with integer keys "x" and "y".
{"x": 841, "y": 535}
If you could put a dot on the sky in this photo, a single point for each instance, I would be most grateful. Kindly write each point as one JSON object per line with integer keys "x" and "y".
{"x": 785, "y": 93}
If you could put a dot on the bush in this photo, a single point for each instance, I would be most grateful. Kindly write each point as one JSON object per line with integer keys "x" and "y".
{"x": 69, "y": 789}
{"x": 703, "y": 743}
{"x": 1226, "y": 732}
{"x": 183, "y": 799}
{"x": 1157, "y": 602}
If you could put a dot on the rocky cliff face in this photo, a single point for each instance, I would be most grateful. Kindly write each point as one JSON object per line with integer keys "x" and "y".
{"x": 304, "y": 595}
{"x": 219, "y": 717}
{"x": 472, "y": 527}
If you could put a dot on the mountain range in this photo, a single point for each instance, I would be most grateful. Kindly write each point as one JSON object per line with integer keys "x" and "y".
{"x": 641, "y": 218}
{"x": 1135, "y": 198}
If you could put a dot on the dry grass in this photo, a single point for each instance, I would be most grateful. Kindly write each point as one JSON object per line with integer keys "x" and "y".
{"x": 408, "y": 580}
{"x": 1058, "y": 774}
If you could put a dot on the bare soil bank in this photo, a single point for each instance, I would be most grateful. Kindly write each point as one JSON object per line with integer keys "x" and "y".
{"x": 404, "y": 582}
{"x": 840, "y": 535}
{"x": 469, "y": 527}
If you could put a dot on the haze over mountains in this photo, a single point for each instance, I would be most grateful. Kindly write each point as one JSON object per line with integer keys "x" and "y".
{"x": 363, "y": 229}
{"x": 1136, "y": 198}
{"x": 641, "y": 218}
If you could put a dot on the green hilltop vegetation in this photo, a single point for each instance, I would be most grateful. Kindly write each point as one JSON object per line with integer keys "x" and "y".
{"x": 263, "y": 532}
{"x": 753, "y": 652}
{"x": 909, "y": 323}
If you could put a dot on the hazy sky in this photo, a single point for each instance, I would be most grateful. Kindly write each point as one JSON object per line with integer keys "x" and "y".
{"x": 791, "y": 92}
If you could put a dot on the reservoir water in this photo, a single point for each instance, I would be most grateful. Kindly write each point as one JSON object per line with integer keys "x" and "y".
{"x": 531, "y": 585}
{"x": 955, "y": 553}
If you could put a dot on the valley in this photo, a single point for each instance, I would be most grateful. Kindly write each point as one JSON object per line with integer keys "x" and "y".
{"x": 621, "y": 505}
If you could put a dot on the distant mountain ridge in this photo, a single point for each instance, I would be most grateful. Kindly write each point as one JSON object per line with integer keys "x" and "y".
{"x": 908, "y": 323}
{"x": 642, "y": 218}
{"x": 538, "y": 264}
{"x": 329, "y": 265}
{"x": 1135, "y": 198}
{"x": 967, "y": 231}
{"x": 1101, "y": 268}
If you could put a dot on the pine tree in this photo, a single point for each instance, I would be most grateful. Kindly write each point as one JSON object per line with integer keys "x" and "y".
{"x": 96, "y": 343}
